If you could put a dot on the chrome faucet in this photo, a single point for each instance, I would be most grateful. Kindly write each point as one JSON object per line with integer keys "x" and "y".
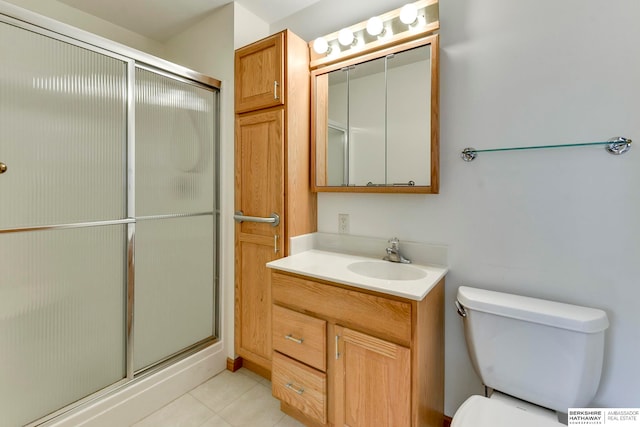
{"x": 393, "y": 252}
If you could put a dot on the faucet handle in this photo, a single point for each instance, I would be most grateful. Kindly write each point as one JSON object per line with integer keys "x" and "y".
{"x": 394, "y": 242}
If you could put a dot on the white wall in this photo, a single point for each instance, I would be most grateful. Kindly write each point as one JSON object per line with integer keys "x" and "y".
{"x": 562, "y": 224}
{"x": 71, "y": 16}
{"x": 247, "y": 27}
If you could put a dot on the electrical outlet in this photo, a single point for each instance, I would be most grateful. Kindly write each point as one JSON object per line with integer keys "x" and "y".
{"x": 343, "y": 223}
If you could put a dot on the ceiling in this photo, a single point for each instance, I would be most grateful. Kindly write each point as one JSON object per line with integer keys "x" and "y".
{"x": 162, "y": 19}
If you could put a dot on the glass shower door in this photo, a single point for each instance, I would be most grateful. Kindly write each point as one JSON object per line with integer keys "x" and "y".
{"x": 62, "y": 215}
{"x": 175, "y": 216}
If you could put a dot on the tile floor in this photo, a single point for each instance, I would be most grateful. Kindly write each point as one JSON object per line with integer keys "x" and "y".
{"x": 240, "y": 399}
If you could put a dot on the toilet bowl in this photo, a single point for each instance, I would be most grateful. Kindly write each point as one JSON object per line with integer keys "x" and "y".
{"x": 496, "y": 411}
{"x": 540, "y": 357}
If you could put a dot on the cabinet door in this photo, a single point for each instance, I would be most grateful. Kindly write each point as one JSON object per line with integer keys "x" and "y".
{"x": 373, "y": 381}
{"x": 259, "y": 72}
{"x": 259, "y": 193}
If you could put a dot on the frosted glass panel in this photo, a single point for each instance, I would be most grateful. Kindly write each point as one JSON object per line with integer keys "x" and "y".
{"x": 174, "y": 146}
{"x": 62, "y": 131}
{"x": 174, "y": 286}
{"x": 62, "y": 305}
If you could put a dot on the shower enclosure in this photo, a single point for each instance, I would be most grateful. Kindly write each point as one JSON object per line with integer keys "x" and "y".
{"x": 108, "y": 219}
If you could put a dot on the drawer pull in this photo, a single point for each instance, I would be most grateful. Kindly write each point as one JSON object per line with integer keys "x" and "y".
{"x": 295, "y": 340}
{"x": 290, "y": 386}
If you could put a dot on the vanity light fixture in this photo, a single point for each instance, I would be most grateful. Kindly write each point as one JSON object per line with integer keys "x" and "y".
{"x": 321, "y": 45}
{"x": 375, "y": 26}
{"x": 346, "y": 37}
{"x": 408, "y": 14}
{"x": 411, "y": 21}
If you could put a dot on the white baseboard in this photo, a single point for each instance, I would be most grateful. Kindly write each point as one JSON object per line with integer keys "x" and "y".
{"x": 134, "y": 402}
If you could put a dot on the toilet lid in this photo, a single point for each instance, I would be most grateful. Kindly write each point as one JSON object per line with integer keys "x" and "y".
{"x": 479, "y": 411}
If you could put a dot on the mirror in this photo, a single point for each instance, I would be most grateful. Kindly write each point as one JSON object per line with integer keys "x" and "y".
{"x": 375, "y": 121}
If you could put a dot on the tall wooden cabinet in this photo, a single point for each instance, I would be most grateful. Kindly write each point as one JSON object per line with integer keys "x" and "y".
{"x": 272, "y": 103}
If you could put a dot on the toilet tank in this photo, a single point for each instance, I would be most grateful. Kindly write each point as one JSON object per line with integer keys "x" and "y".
{"x": 544, "y": 352}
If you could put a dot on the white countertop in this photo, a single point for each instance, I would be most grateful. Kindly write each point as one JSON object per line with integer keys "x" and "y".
{"x": 334, "y": 267}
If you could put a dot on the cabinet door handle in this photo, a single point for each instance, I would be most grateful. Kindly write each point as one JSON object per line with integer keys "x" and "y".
{"x": 290, "y": 386}
{"x": 337, "y": 352}
{"x": 275, "y": 90}
{"x": 295, "y": 340}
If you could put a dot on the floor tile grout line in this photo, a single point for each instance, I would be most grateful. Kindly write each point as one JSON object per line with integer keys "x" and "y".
{"x": 258, "y": 384}
{"x": 172, "y": 403}
{"x": 231, "y": 403}
{"x": 255, "y": 380}
{"x": 204, "y": 403}
{"x": 217, "y": 412}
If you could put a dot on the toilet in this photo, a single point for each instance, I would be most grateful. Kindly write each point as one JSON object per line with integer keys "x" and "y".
{"x": 539, "y": 357}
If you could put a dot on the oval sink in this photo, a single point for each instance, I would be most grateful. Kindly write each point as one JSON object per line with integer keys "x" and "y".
{"x": 386, "y": 270}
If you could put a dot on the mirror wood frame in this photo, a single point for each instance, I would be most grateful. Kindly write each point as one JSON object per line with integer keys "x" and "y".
{"x": 319, "y": 106}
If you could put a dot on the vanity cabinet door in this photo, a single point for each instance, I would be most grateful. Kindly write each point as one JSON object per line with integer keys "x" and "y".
{"x": 259, "y": 70}
{"x": 373, "y": 381}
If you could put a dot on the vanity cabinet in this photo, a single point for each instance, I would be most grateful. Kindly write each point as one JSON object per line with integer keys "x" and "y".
{"x": 344, "y": 356}
{"x": 271, "y": 180}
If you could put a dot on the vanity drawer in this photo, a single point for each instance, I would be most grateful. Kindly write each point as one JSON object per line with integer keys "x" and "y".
{"x": 299, "y": 386}
{"x": 382, "y": 317}
{"x": 300, "y": 336}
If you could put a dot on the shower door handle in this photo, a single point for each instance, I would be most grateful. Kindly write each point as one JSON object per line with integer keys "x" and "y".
{"x": 274, "y": 219}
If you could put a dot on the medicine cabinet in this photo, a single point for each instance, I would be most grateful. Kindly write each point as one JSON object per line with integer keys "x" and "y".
{"x": 375, "y": 121}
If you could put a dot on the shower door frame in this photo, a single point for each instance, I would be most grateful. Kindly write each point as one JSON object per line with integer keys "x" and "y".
{"x": 23, "y": 19}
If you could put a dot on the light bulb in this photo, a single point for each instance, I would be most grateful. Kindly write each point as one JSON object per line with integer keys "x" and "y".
{"x": 345, "y": 37}
{"x": 408, "y": 13}
{"x": 375, "y": 26}
{"x": 320, "y": 45}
